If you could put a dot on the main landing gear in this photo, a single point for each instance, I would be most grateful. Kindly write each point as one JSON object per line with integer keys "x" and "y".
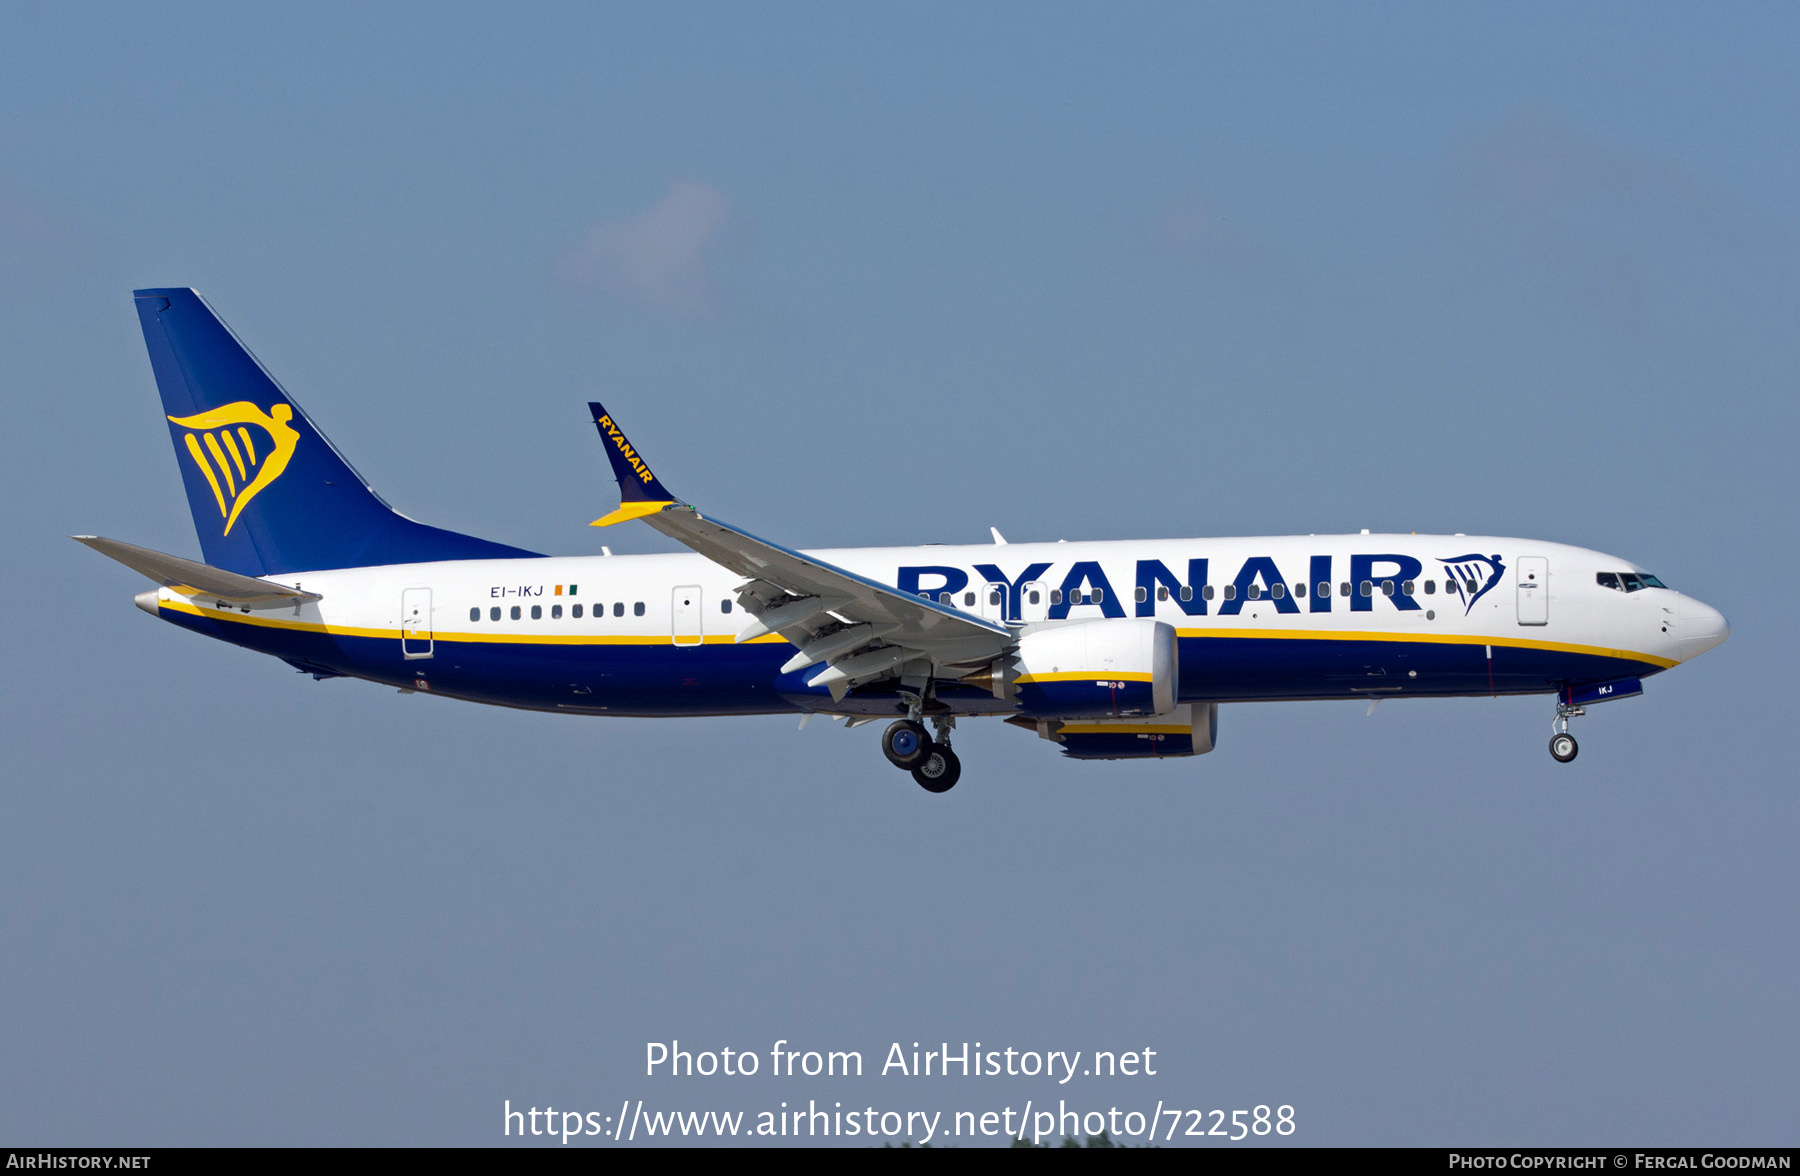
{"x": 1563, "y": 747}
{"x": 930, "y": 761}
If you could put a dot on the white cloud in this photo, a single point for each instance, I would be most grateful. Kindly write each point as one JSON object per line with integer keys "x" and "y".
{"x": 657, "y": 258}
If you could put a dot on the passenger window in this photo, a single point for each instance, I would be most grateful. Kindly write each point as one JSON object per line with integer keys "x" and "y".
{"x": 1207, "y": 592}
{"x": 618, "y": 608}
{"x": 1231, "y": 592}
{"x": 1187, "y": 592}
{"x": 1035, "y": 596}
{"x": 1278, "y": 591}
{"x": 943, "y": 598}
{"x": 1162, "y": 591}
{"x": 637, "y": 610}
{"x": 1368, "y": 589}
{"x": 1324, "y": 588}
{"x": 556, "y": 612}
{"x": 474, "y": 614}
{"x": 1096, "y": 596}
{"x": 1430, "y": 587}
{"x": 1344, "y": 589}
{"x": 1407, "y": 586}
{"x": 494, "y": 613}
{"x": 575, "y": 611}
{"x": 1056, "y": 596}
{"x": 1387, "y": 587}
{"x": 1300, "y": 590}
{"x": 515, "y": 612}
{"x": 1143, "y": 594}
{"x": 1253, "y": 592}
{"x": 968, "y": 599}
{"x": 537, "y": 612}
{"x": 993, "y": 598}
{"x": 724, "y": 606}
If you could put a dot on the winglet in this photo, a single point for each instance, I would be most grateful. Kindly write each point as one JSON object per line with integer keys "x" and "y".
{"x": 640, "y": 493}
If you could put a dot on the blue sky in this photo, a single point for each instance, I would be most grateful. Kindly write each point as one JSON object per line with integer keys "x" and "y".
{"x": 857, "y": 275}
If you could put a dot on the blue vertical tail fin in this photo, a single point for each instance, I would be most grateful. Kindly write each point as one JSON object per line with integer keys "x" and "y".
{"x": 269, "y": 493}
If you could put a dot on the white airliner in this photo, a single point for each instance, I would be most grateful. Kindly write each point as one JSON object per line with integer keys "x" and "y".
{"x": 1113, "y": 650}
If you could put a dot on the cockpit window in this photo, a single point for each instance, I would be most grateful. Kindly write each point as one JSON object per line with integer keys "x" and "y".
{"x": 1627, "y": 581}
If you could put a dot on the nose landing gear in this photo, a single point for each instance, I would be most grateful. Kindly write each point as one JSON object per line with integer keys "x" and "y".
{"x": 1563, "y": 747}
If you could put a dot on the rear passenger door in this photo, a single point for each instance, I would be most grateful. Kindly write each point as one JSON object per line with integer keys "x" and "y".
{"x": 415, "y": 623}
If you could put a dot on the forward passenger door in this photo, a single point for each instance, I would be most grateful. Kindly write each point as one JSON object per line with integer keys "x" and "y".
{"x": 1533, "y": 577}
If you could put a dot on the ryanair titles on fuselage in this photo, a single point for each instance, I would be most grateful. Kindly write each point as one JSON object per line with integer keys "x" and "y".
{"x": 1392, "y": 576}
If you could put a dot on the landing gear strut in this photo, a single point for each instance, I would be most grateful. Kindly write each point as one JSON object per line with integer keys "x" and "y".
{"x": 1563, "y": 747}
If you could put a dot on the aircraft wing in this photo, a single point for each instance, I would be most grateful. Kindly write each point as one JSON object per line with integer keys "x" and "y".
{"x": 860, "y": 628}
{"x": 192, "y": 578}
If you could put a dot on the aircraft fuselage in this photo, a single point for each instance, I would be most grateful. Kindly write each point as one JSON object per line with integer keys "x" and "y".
{"x": 1399, "y": 616}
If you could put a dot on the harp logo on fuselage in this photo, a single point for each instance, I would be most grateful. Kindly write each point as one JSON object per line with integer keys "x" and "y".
{"x": 1470, "y": 576}
{"x": 240, "y": 450}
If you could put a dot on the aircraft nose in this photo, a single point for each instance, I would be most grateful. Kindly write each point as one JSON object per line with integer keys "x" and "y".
{"x": 1700, "y": 627}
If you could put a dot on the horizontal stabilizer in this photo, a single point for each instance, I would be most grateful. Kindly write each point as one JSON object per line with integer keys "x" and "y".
{"x": 192, "y": 578}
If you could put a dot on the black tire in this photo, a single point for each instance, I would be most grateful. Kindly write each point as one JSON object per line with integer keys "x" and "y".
{"x": 1563, "y": 747}
{"x": 906, "y": 744}
{"x": 940, "y": 771}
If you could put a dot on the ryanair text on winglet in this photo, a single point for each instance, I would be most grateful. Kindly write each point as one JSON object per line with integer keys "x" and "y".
{"x": 625, "y": 449}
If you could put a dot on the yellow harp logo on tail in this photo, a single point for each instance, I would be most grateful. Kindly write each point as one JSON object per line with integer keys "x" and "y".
{"x": 237, "y": 462}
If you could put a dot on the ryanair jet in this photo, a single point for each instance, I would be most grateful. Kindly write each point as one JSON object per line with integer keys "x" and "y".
{"x": 1111, "y": 650}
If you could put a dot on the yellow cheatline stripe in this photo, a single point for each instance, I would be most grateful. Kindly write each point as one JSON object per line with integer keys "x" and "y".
{"x": 212, "y": 447}
{"x": 1121, "y": 729}
{"x": 235, "y": 617}
{"x": 231, "y": 444}
{"x": 193, "y": 445}
{"x": 1087, "y": 676}
{"x": 773, "y": 638}
{"x": 630, "y": 510}
{"x": 1432, "y": 639}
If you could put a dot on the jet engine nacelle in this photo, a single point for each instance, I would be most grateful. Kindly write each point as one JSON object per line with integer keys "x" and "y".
{"x": 1096, "y": 669}
{"x": 1191, "y": 729}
